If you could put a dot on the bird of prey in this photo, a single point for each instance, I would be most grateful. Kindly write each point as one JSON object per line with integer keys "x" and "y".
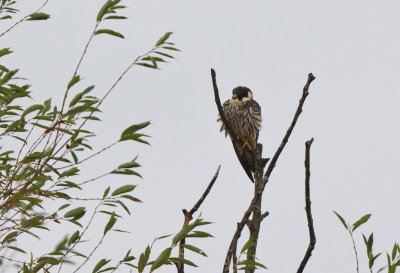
{"x": 243, "y": 115}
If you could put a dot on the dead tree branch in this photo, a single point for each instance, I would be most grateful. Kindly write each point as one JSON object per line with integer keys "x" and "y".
{"x": 313, "y": 240}
{"x": 189, "y": 216}
{"x": 219, "y": 106}
{"x": 260, "y": 189}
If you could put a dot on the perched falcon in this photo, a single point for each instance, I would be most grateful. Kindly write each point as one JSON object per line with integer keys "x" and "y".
{"x": 243, "y": 115}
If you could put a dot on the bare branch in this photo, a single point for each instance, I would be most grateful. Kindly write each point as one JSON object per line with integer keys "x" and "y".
{"x": 218, "y": 103}
{"x": 189, "y": 216}
{"x": 265, "y": 179}
{"x": 285, "y": 139}
{"x": 206, "y": 192}
{"x": 313, "y": 240}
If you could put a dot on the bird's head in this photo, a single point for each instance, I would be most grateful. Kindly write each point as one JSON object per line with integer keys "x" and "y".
{"x": 241, "y": 94}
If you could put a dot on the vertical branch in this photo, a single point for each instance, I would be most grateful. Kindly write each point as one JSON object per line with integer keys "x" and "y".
{"x": 189, "y": 216}
{"x": 313, "y": 240}
{"x": 219, "y": 106}
{"x": 354, "y": 247}
{"x": 254, "y": 225}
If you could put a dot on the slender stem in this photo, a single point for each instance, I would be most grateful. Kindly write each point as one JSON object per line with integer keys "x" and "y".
{"x": 91, "y": 253}
{"x": 189, "y": 216}
{"x": 81, "y": 236}
{"x": 313, "y": 240}
{"x": 89, "y": 157}
{"x": 355, "y": 249}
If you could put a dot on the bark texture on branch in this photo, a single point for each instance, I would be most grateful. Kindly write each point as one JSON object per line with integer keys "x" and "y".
{"x": 311, "y": 231}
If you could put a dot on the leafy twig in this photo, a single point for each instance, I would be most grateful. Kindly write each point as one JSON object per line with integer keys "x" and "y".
{"x": 23, "y": 19}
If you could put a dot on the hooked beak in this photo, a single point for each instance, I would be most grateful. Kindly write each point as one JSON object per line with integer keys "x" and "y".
{"x": 234, "y": 97}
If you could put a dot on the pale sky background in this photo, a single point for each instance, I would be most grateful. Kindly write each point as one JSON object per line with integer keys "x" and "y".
{"x": 352, "y": 47}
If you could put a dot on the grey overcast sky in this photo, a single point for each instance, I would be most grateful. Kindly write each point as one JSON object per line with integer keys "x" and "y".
{"x": 351, "y": 46}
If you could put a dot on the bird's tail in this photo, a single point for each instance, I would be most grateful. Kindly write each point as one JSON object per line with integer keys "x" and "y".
{"x": 246, "y": 159}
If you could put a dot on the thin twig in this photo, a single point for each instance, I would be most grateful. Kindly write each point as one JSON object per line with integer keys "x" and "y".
{"x": 219, "y": 106}
{"x": 266, "y": 176}
{"x": 189, "y": 216}
{"x": 71, "y": 248}
{"x": 89, "y": 157}
{"x": 91, "y": 253}
{"x": 313, "y": 240}
{"x": 285, "y": 139}
{"x": 355, "y": 249}
{"x": 206, "y": 192}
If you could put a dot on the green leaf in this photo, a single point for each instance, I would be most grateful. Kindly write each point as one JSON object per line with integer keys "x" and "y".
{"x": 381, "y": 269}
{"x": 80, "y": 95}
{"x": 16, "y": 249}
{"x": 116, "y": 17}
{"x": 195, "y": 249}
{"x": 31, "y": 109}
{"x": 69, "y": 184}
{"x": 132, "y": 198}
{"x": 123, "y": 189}
{"x": 147, "y": 65}
{"x": 341, "y": 220}
{"x": 75, "y": 236}
{"x": 161, "y": 259}
{"x": 135, "y": 137}
{"x": 74, "y": 157}
{"x": 106, "y": 9}
{"x": 153, "y": 59}
{"x": 73, "y": 81}
{"x": 48, "y": 260}
{"x": 126, "y": 172}
{"x": 199, "y": 234}
{"x": 170, "y": 48}
{"x": 130, "y": 164}
{"x": 164, "y": 54}
{"x": 143, "y": 259}
{"x": 10, "y": 236}
{"x": 180, "y": 260}
{"x": 361, "y": 221}
{"x": 106, "y": 192}
{"x": 134, "y": 128}
{"x": 74, "y": 213}
{"x": 109, "y": 32}
{"x": 38, "y": 16}
{"x": 110, "y": 223}
{"x": 251, "y": 264}
{"x": 372, "y": 261}
{"x": 247, "y": 245}
{"x": 394, "y": 251}
{"x": 163, "y": 38}
{"x": 70, "y": 172}
{"x": 124, "y": 206}
{"x": 6, "y": 17}
{"x": 64, "y": 206}
{"x": 5, "y": 51}
{"x": 46, "y": 106}
{"x": 100, "y": 264}
{"x": 181, "y": 234}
